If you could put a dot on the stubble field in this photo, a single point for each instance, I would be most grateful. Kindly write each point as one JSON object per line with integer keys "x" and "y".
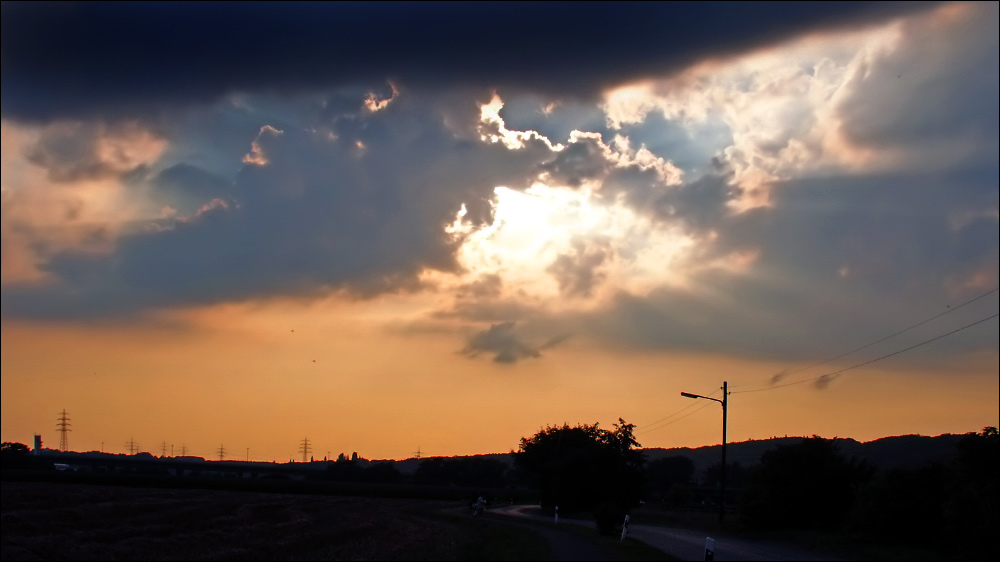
{"x": 61, "y": 521}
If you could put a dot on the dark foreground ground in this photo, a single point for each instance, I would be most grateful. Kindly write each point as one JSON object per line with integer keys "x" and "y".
{"x": 56, "y": 521}
{"x": 73, "y": 521}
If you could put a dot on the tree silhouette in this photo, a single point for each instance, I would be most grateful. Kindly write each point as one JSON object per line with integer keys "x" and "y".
{"x": 461, "y": 471}
{"x": 951, "y": 507}
{"x": 18, "y": 456}
{"x": 668, "y": 478}
{"x": 971, "y": 507}
{"x": 8, "y": 448}
{"x": 809, "y": 485}
{"x": 580, "y": 468}
{"x": 902, "y": 506}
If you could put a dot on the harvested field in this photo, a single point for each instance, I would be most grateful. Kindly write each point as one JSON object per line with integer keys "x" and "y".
{"x": 59, "y": 521}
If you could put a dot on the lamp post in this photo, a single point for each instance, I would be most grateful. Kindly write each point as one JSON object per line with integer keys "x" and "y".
{"x": 725, "y": 403}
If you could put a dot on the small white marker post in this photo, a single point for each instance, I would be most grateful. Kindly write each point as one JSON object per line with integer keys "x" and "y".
{"x": 709, "y": 548}
{"x": 624, "y": 529}
{"x": 557, "y": 514}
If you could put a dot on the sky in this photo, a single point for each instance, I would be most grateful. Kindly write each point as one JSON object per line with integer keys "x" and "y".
{"x": 441, "y": 227}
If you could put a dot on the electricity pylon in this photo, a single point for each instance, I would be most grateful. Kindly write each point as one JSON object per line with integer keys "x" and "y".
{"x": 305, "y": 449}
{"x": 63, "y": 428}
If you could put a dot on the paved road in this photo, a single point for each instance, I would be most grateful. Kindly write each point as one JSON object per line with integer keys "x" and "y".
{"x": 690, "y": 545}
{"x": 563, "y": 545}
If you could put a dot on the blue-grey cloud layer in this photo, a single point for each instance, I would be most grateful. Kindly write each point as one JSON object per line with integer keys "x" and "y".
{"x": 357, "y": 201}
{"x": 133, "y": 59}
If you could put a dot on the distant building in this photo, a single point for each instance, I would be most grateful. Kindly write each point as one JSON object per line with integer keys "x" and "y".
{"x": 37, "y": 450}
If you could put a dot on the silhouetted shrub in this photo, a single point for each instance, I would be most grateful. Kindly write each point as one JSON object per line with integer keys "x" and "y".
{"x": 807, "y": 486}
{"x": 579, "y": 468}
{"x": 668, "y": 472}
{"x": 902, "y": 506}
{"x": 971, "y": 513}
{"x": 608, "y": 517}
{"x": 461, "y": 471}
{"x": 382, "y": 472}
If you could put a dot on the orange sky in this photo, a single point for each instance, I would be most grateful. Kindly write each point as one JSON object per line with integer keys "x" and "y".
{"x": 386, "y": 395}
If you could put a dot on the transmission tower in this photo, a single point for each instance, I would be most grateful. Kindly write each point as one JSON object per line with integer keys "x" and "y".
{"x": 63, "y": 428}
{"x": 184, "y": 450}
{"x": 133, "y": 447}
{"x": 305, "y": 449}
{"x": 417, "y": 454}
{"x": 222, "y": 452}
{"x": 163, "y": 449}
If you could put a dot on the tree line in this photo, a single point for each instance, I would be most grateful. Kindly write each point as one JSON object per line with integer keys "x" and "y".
{"x": 811, "y": 485}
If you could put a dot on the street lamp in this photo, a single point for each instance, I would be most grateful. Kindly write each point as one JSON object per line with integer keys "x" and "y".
{"x": 725, "y": 403}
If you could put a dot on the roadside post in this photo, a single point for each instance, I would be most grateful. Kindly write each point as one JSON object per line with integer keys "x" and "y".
{"x": 624, "y": 529}
{"x": 557, "y": 514}
{"x": 709, "y": 548}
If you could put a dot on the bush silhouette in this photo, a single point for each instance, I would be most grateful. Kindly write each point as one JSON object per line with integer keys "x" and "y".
{"x": 807, "y": 486}
{"x": 579, "y": 468}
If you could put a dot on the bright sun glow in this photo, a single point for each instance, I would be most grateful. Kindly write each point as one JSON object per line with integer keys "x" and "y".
{"x": 534, "y": 228}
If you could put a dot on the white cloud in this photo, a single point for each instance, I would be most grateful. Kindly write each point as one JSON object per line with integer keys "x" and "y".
{"x": 875, "y": 100}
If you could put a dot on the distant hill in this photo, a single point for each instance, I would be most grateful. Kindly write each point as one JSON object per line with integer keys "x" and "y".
{"x": 409, "y": 466}
{"x": 901, "y": 451}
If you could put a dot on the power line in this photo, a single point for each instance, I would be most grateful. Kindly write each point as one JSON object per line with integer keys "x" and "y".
{"x": 658, "y": 424}
{"x": 647, "y": 429}
{"x": 829, "y": 376}
{"x": 880, "y": 340}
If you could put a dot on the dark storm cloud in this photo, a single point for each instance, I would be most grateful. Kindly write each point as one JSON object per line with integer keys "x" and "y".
{"x": 184, "y": 186}
{"x": 360, "y": 205}
{"x": 507, "y": 344}
{"x": 580, "y": 161}
{"x": 78, "y": 60}
{"x": 73, "y": 152}
{"x": 488, "y": 285}
{"x": 579, "y": 272}
{"x": 938, "y": 86}
{"x": 698, "y": 205}
{"x": 503, "y": 342}
{"x": 849, "y": 256}
{"x": 843, "y": 259}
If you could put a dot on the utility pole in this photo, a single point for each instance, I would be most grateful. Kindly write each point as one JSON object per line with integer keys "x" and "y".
{"x": 725, "y": 406}
{"x": 305, "y": 449}
{"x": 63, "y": 428}
{"x": 725, "y": 418}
